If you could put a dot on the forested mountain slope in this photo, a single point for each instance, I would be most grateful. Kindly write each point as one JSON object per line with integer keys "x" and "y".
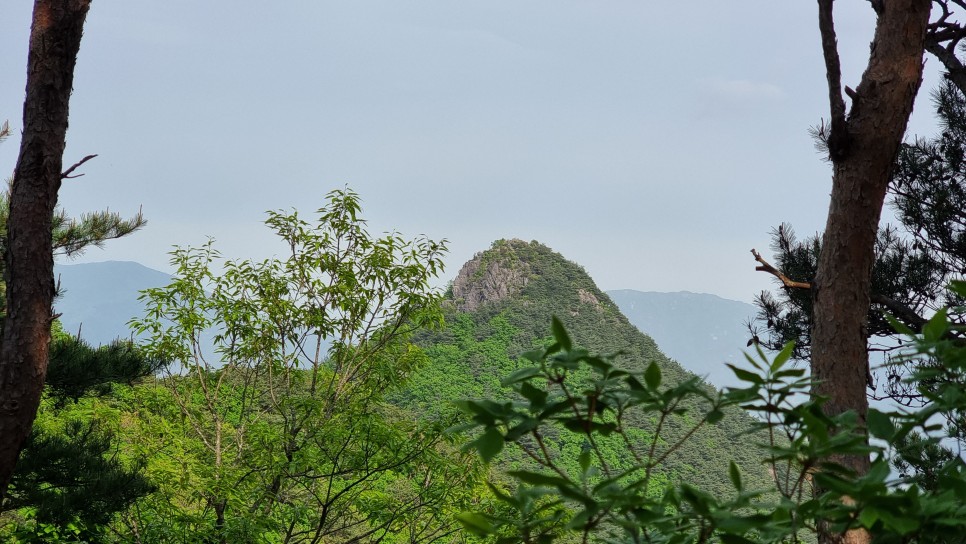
{"x": 500, "y": 306}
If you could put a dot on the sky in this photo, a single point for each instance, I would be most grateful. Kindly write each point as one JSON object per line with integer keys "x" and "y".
{"x": 653, "y": 143}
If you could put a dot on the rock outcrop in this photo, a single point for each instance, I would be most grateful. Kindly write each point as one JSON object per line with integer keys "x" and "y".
{"x": 487, "y": 278}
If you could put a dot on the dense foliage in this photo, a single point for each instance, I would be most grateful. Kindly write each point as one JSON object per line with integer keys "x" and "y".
{"x": 71, "y": 480}
{"x": 283, "y": 434}
{"x": 602, "y": 501}
{"x": 270, "y": 423}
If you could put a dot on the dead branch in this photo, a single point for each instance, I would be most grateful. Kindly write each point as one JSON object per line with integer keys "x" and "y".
{"x": 904, "y": 313}
{"x": 765, "y": 266}
{"x": 67, "y": 173}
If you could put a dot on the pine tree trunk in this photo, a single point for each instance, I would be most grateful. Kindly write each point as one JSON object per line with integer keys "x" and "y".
{"x": 55, "y": 37}
{"x": 863, "y": 148}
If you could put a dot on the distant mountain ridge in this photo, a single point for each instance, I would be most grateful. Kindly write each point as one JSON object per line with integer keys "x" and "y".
{"x": 98, "y": 299}
{"x": 698, "y": 330}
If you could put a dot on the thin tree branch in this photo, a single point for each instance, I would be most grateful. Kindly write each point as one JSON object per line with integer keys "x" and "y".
{"x": 942, "y": 38}
{"x": 955, "y": 71}
{"x": 838, "y": 135}
{"x": 67, "y": 173}
{"x": 901, "y": 311}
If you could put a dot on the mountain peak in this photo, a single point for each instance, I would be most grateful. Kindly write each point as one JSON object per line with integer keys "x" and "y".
{"x": 528, "y": 271}
{"x": 503, "y": 302}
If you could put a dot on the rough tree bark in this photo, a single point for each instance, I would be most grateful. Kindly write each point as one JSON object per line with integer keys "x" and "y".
{"x": 863, "y": 145}
{"x": 55, "y": 36}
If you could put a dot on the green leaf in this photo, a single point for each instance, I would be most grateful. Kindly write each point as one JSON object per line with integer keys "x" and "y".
{"x": 879, "y": 424}
{"x": 735, "y": 475}
{"x": 521, "y": 429}
{"x": 902, "y": 525}
{"x": 746, "y": 375}
{"x": 475, "y": 523}
{"x": 878, "y": 473}
{"x": 958, "y": 287}
{"x": 652, "y": 376}
{"x": 868, "y": 517}
{"x": 560, "y": 334}
{"x": 700, "y": 500}
{"x": 899, "y": 326}
{"x": 538, "y": 478}
{"x": 581, "y": 520}
{"x": 936, "y": 327}
{"x": 486, "y": 408}
{"x": 581, "y": 425}
{"x": 634, "y": 384}
{"x": 489, "y": 444}
{"x": 715, "y": 416}
{"x": 751, "y": 361}
{"x": 600, "y": 364}
{"x": 834, "y": 483}
{"x": 789, "y": 373}
{"x": 782, "y": 356}
{"x": 520, "y": 375}
{"x": 537, "y": 397}
{"x": 534, "y": 356}
{"x": 503, "y": 496}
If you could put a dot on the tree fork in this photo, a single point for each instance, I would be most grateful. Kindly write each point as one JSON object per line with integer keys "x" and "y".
{"x": 55, "y": 36}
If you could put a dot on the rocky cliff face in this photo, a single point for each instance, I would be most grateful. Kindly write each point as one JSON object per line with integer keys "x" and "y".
{"x": 487, "y": 278}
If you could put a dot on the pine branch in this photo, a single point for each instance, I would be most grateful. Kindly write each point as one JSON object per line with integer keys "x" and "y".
{"x": 904, "y": 313}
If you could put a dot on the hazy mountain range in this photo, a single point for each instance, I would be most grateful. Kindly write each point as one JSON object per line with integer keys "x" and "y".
{"x": 98, "y": 299}
{"x": 700, "y": 331}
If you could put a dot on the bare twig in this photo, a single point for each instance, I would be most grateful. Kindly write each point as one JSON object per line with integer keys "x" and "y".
{"x": 67, "y": 173}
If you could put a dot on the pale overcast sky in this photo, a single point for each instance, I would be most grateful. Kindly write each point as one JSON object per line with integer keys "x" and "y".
{"x": 654, "y": 143}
